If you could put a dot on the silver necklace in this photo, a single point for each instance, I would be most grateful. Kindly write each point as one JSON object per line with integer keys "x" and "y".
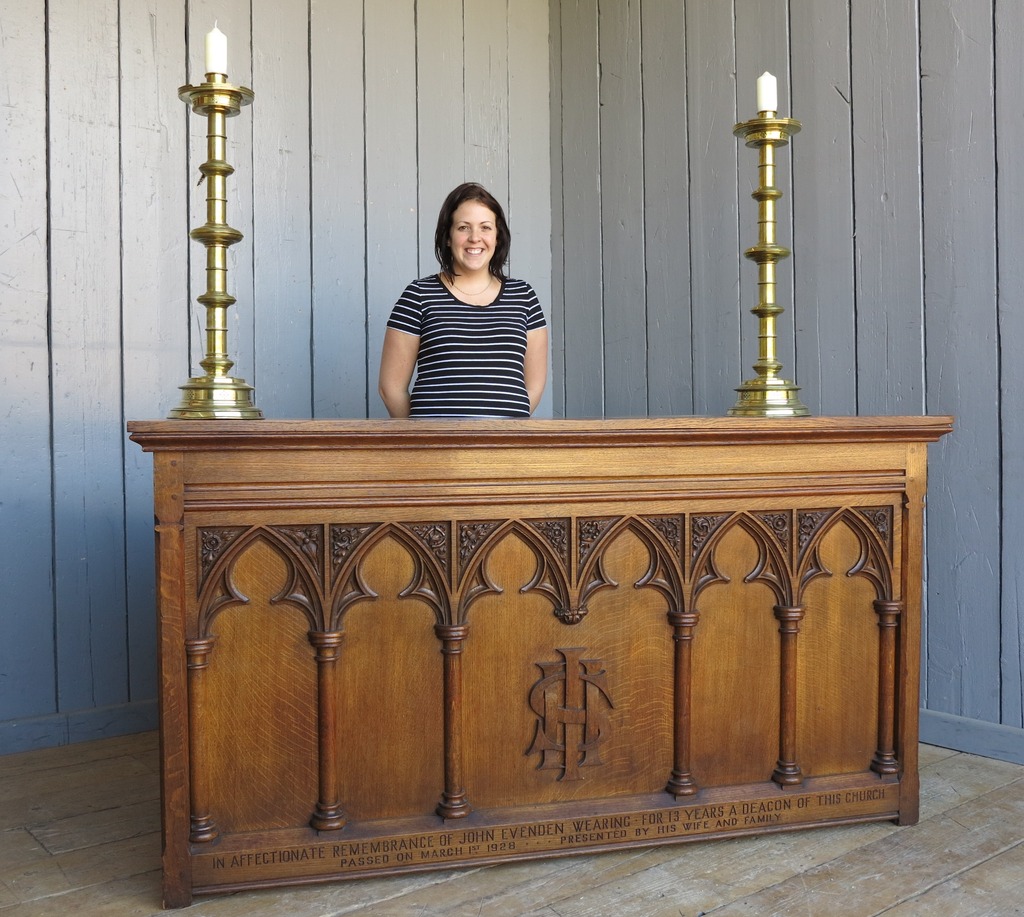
{"x": 490, "y": 280}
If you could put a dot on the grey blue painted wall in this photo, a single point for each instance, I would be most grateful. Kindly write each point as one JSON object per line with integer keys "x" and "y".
{"x": 904, "y": 206}
{"x": 365, "y": 115}
{"x": 606, "y": 127}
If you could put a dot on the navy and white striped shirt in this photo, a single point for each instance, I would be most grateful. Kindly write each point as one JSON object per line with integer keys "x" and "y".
{"x": 471, "y": 358}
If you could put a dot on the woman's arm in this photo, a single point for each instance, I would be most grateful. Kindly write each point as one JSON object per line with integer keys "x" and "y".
{"x": 397, "y": 362}
{"x": 535, "y": 367}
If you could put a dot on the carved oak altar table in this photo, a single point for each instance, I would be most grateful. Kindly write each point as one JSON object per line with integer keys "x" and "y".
{"x": 388, "y": 646}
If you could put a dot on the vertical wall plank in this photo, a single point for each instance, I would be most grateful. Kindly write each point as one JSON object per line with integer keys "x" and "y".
{"x": 282, "y": 304}
{"x": 341, "y": 387}
{"x": 85, "y": 270}
{"x": 666, "y": 211}
{"x": 485, "y": 52}
{"x": 26, "y": 535}
{"x": 887, "y": 207}
{"x": 958, "y": 156}
{"x": 581, "y": 233}
{"x": 1009, "y": 90}
{"x": 529, "y": 163}
{"x": 822, "y": 263}
{"x": 391, "y": 218}
{"x": 714, "y": 239}
{"x": 622, "y": 224}
{"x": 558, "y": 209}
{"x": 441, "y": 117}
{"x": 155, "y": 295}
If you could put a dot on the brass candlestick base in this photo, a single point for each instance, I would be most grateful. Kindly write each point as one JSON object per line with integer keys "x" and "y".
{"x": 216, "y": 394}
{"x": 767, "y": 395}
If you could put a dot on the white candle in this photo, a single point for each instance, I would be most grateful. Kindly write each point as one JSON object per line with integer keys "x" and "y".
{"x": 216, "y": 51}
{"x": 767, "y": 92}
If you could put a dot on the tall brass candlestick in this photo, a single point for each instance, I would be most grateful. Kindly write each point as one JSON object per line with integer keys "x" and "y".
{"x": 767, "y": 395}
{"x": 216, "y": 394}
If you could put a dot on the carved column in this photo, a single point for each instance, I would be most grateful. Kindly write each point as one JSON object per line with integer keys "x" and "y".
{"x": 681, "y": 782}
{"x": 202, "y": 827}
{"x": 787, "y": 771}
{"x": 454, "y": 802}
{"x": 884, "y": 761}
{"x": 328, "y": 815}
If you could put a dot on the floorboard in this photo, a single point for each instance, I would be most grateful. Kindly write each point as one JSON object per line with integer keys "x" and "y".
{"x": 79, "y": 834}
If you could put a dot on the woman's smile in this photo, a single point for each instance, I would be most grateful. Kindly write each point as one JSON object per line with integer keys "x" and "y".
{"x": 472, "y": 238}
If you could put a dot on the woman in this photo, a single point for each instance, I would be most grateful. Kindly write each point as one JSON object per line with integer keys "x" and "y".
{"x": 477, "y": 340}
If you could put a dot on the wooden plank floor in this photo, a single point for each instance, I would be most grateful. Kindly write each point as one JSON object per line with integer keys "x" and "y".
{"x": 79, "y": 835}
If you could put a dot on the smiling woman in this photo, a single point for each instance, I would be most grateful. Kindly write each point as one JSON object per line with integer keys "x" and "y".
{"x": 476, "y": 339}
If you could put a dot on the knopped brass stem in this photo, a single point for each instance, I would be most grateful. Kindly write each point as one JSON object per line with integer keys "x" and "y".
{"x": 768, "y": 394}
{"x": 216, "y": 394}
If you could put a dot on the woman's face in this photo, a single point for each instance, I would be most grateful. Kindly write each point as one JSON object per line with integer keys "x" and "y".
{"x": 472, "y": 237}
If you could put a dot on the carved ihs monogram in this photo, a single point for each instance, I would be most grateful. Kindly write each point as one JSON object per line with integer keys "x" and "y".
{"x": 571, "y": 701}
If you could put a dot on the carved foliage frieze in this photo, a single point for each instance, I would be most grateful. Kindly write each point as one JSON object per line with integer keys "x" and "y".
{"x": 702, "y": 527}
{"x": 809, "y": 523}
{"x": 471, "y": 536}
{"x": 307, "y": 538}
{"x": 437, "y": 539}
{"x": 590, "y": 531}
{"x": 780, "y": 524}
{"x": 880, "y": 518}
{"x": 672, "y": 529}
{"x": 556, "y": 533}
{"x": 344, "y": 541}
{"x": 212, "y": 543}
{"x": 452, "y": 558}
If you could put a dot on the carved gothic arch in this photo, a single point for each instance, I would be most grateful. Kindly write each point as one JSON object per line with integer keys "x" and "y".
{"x": 551, "y": 577}
{"x": 874, "y": 562}
{"x": 771, "y": 568}
{"x": 428, "y": 581}
{"x": 664, "y": 572}
{"x": 301, "y": 590}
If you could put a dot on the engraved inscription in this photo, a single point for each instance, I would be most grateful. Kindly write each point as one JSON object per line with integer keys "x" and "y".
{"x": 363, "y": 855}
{"x": 571, "y": 702}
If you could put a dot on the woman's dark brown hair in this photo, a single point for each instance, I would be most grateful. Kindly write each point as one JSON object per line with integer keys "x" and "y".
{"x": 471, "y": 191}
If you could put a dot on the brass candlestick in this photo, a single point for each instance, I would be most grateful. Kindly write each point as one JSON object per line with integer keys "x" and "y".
{"x": 767, "y": 395}
{"x": 216, "y": 394}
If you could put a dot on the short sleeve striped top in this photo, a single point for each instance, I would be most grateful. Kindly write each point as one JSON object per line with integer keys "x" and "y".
{"x": 471, "y": 358}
